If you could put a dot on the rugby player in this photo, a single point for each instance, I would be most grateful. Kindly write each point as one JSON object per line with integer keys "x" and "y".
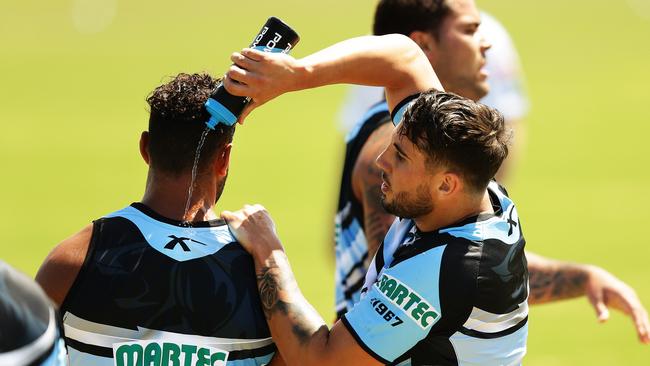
{"x": 448, "y": 33}
{"x": 154, "y": 283}
{"x": 449, "y": 284}
{"x": 30, "y": 332}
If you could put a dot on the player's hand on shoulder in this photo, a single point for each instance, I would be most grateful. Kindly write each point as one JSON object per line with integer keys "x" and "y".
{"x": 605, "y": 290}
{"x": 262, "y": 76}
{"x": 254, "y": 229}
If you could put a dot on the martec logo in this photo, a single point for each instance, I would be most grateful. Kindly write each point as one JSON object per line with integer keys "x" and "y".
{"x": 414, "y": 305}
{"x": 180, "y": 241}
{"x": 159, "y": 353}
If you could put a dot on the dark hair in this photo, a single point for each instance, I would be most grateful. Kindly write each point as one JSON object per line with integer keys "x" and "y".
{"x": 177, "y": 121}
{"x": 469, "y": 138}
{"x": 406, "y": 16}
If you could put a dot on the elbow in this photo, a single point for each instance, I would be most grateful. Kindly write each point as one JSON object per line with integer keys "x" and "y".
{"x": 410, "y": 64}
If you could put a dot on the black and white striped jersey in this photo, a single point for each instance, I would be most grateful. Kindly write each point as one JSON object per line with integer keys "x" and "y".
{"x": 153, "y": 291}
{"x": 454, "y": 296}
{"x": 351, "y": 244}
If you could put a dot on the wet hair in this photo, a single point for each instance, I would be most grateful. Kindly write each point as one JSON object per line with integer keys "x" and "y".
{"x": 469, "y": 138}
{"x": 177, "y": 121}
{"x": 407, "y": 16}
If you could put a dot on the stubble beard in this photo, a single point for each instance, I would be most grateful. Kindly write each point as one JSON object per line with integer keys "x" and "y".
{"x": 409, "y": 206}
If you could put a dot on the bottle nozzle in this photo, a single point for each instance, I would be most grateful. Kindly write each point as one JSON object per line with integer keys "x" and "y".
{"x": 219, "y": 114}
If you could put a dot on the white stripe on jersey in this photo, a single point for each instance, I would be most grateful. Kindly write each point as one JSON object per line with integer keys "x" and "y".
{"x": 102, "y": 335}
{"x": 486, "y": 322}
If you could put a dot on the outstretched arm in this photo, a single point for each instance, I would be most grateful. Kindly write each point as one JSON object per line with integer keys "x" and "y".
{"x": 300, "y": 333}
{"x": 393, "y": 61}
{"x": 552, "y": 280}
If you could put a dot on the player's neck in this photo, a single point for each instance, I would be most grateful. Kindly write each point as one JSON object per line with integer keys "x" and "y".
{"x": 459, "y": 210}
{"x": 167, "y": 196}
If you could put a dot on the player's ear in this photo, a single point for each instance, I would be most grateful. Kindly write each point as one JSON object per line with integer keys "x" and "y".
{"x": 144, "y": 146}
{"x": 449, "y": 184}
{"x": 222, "y": 162}
{"x": 427, "y": 43}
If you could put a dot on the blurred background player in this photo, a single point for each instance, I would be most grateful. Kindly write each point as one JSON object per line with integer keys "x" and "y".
{"x": 468, "y": 63}
{"x": 30, "y": 332}
{"x": 154, "y": 279}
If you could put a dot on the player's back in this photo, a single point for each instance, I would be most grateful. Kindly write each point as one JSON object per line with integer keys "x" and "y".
{"x": 155, "y": 291}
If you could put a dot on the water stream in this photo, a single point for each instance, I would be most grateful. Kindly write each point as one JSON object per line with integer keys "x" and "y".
{"x": 195, "y": 168}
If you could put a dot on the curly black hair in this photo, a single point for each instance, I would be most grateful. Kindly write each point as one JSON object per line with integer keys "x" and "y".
{"x": 177, "y": 121}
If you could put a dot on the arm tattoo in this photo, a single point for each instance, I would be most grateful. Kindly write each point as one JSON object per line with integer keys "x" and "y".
{"x": 556, "y": 281}
{"x": 376, "y": 220}
{"x": 278, "y": 289}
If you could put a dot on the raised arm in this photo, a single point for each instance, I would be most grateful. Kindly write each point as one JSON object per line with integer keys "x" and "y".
{"x": 392, "y": 61}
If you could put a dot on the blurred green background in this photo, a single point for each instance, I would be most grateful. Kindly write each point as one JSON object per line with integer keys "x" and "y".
{"x": 74, "y": 76}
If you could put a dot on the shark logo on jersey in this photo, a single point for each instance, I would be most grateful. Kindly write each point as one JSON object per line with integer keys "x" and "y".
{"x": 413, "y": 304}
{"x": 158, "y": 235}
{"x": 180, "y": 241}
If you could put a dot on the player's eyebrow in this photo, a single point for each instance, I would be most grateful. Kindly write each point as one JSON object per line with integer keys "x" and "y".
{"x": 400, "y": 150}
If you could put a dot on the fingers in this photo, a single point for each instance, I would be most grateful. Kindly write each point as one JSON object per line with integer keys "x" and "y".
{"x": 596, "y": 298}
{"x": 243, "y": 76}
{"x": 602, "y": 312}
{"x": 253, "y": 54}
{"x": 246, "y": 111}
{"x": 243, "y": 61}
{"x": 227, "y": 215}
{"x": 638, "y": 314}
{"x": 640, "y": 318}
{"x": 236, "y": 88}
{"x": 244, "y": 213}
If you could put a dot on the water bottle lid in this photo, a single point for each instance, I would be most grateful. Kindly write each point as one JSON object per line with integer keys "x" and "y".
{"x": 219, "y": 114}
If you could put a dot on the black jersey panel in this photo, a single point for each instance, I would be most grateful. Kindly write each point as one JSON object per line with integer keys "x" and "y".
{"x": 129, "y": 284}
{"x": 503, "y": 276}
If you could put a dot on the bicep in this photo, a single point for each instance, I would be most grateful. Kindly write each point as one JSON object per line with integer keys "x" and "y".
{"x": 60, "y": 268}
{"x": 344, "y": 349}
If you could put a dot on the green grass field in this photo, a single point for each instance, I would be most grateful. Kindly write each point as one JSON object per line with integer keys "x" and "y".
{"x": 74, "y": 76}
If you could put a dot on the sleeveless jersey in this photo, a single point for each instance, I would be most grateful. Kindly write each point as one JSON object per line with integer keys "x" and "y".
{"x": 454, "y": 296}
{"x": 351, "y": 244}
{"x": 155, "y": 291}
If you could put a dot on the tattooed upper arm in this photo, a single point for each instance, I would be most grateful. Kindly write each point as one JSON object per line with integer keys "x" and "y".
{"x": 366, "y": 184}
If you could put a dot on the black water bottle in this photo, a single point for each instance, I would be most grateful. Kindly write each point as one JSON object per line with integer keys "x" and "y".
{"x": 275, "y": 36}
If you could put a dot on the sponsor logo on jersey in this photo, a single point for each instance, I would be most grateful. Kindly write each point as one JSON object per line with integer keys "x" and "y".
{"x": 413, "y": 304}
{"x": 161, "y": 353}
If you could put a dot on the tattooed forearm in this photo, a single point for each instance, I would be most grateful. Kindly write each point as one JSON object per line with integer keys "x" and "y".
{"x": 367, "y": 177}
{"x": 281, "y": 297}
{"x": 376, "y": 220}
{"x": 268, "y": 286}
{"x": 550, "y": 281}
